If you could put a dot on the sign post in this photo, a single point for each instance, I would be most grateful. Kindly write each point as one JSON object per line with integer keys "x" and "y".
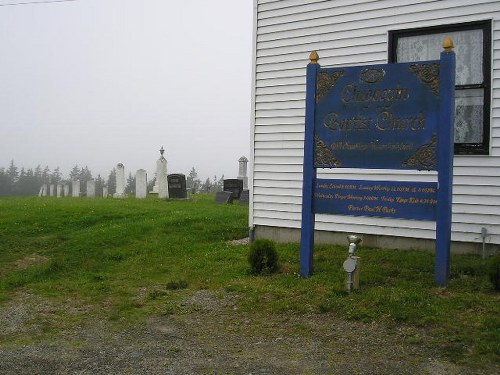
{"x": 391, "y": 116}
{"x": 445, "y": 161}
{"x": 307, "y": 232}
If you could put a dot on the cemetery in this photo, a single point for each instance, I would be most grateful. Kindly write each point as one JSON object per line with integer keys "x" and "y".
{"x": 364, "y": 240}
{"x": 167, "y": 185}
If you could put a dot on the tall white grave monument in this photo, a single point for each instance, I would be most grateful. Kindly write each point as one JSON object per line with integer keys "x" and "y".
{"x": 120, "y": 181}
{"x": 76, "y": 188}
{"x": 141, "y": 184}
{"x": 66, "y": 190}
{"x": 242, "y": 172}
{"x": 161, "y": 176}
{"x": 90, "y": 189}
{"x": 104, "y": 191}
{"x": 59, "y": 190}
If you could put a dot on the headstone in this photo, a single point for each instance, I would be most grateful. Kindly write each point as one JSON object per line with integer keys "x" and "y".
{"x": 52, "y": 190}
{"x": 59, "y": 190}
{"x": 75, "y": 188}
{"x": 156, "y": 187}
{"x": 104, "y": 191}
{"x": 224, "y": 197}
{"x": 161, "y": 178}
{"x": 244, "y": 197}
{"x": 177, "y": 186}
{"x": 120, "y": 181}
{"x": 233, "y": 185}
{"x": 43, "y": 191}
{"x": 141, "y": 184}
{"x": 90, "y": 189}
{"x": 242, "y": 172}
{"x": 66, "y": 190}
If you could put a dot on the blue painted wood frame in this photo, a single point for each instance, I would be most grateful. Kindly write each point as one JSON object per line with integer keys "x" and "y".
{"x": 445, "y": 169}
{"x": 445, "y": 166}
{"x": 308, "y": 217}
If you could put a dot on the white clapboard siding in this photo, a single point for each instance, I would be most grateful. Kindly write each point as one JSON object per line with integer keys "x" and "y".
{"x": 355, "y": 33}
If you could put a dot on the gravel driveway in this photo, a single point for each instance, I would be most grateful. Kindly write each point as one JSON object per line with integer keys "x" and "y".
{"x": 209, "y": 335}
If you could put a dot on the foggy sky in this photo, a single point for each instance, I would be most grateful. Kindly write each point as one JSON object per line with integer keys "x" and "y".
{"x": 101, "y": 82}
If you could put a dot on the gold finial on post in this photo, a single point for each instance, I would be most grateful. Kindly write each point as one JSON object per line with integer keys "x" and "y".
{"x": 448, "y": 44}
{"x": 314, "y": 57}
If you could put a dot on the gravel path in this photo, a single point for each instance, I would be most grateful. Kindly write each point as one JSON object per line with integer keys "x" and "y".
{"x": 209, "y": 335}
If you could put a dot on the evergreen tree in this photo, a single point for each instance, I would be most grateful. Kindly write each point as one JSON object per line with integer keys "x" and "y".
{"x": 38, "y": 172}
{"x": 130, "y": 187}
{"x": 192, "y": 181}
{"x": 206, "y": 186}
{"x": 112, "y": 182}
{"x": 12, "y": 173}
{"x": 28, "y": 183}
{"x": 56, "y": 176}
{"x": 220, "y": 183}
{"x": 151, "y": 184}
{"x": 4, "y": 183}
{"x": 75, "y": 173}
{"x": 46, "y": 175}
{"x": 85, "y": 175}
{"x": 99, "y": 183}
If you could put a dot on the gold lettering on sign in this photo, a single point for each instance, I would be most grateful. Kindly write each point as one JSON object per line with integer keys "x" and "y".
{"x": 333, "y": 122}
{"x": 387, "y": 121}
{"x": 352, "y": 94}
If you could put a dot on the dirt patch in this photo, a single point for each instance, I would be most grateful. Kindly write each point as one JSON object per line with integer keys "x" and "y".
{"x": 208, "y": 334}
{"x": 242, "y": 241}
{"x": 30, "y": 261}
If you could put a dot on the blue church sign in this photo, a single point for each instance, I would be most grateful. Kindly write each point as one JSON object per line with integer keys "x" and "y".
{"x": 392, "y": 116}
{"x": 382, "y": 116}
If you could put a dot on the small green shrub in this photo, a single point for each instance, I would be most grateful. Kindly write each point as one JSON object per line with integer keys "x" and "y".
{"x": 494, "y": 273}
{"x": 263, "y": 257}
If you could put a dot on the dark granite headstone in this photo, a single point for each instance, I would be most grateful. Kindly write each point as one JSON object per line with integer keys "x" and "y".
{"x": 177, "y": 186}
{"x": 224, "y": 197}
{"x": 235, "y": 186}
{"x": 244, "y": 197}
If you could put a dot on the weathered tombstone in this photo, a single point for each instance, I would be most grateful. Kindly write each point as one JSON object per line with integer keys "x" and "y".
{"x": 224, "y": 197}
{"x": 52, "y": 190}
{"x": 90, "y": 189}
{"x": 161, "y": 176}
{"x": 242, "y": 172}
{"x": 177, "y": 186}
{"x": 66, "y": 190}
{"x": 75, "y": 188}
{"x": 155, "y": 188}
{"x": 104, "y": 191}
{"x": 244, "y": 197}
{"x": 233, "y": 185}
{"x": 59, "y": 190}
{"x": 43, "y": 191}
{"x": 120, "y": 181}
{"x": 141, "y": 184}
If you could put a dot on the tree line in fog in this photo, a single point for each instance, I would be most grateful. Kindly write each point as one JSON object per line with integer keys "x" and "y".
{"x": 27, "y": 181}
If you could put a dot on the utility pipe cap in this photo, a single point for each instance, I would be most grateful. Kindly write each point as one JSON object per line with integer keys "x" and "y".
{"x": 350, "y": 265}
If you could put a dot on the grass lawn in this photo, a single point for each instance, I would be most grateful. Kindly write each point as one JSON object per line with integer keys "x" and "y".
{"x": 129, "y": 255}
